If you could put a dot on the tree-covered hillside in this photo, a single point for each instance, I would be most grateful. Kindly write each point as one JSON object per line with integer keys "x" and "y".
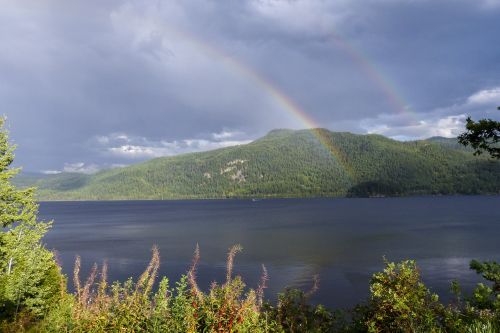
{"x": 287, "y": 163}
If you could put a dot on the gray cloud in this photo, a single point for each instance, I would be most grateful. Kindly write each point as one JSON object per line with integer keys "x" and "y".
{"x": 172, "y": 75}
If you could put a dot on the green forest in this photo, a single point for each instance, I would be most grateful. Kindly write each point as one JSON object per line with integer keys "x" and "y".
{"x": 289, "y": 163}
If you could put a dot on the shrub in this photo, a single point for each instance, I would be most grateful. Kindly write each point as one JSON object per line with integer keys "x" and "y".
{"x": 400, "y": 302}
{"x": 295, "y": 313}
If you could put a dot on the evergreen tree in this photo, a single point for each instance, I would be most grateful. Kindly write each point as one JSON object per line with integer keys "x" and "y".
{"x": 30, "y": 279}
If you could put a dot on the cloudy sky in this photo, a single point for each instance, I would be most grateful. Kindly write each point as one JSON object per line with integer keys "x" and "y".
{"x": 93, "y": 84}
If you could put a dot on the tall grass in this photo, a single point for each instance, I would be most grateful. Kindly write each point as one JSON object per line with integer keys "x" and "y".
{"x": 133, "y": 306}
{"x": 399, "y": 302}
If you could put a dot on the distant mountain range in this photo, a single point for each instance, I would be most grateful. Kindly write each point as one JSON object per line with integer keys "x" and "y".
{"x": 289, "y": 163}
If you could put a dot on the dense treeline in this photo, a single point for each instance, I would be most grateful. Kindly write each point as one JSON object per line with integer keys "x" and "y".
{"x": 288, "y": 163}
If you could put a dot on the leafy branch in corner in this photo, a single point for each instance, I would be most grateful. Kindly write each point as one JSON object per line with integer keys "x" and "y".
{"x": 483, "y": 135}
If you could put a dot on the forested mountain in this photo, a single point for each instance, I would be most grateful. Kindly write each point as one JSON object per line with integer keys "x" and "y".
{"x": 288, "y": 163}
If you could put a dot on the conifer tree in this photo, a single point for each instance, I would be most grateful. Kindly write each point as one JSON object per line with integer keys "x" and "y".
{"x": 30, "y": 279}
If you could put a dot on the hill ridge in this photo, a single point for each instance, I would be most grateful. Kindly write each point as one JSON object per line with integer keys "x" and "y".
{"x": 291, "y": 163}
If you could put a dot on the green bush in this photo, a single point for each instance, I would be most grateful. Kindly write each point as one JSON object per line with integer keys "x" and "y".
{"x": 294, "y": 313}
{"x": 400, "y": 302}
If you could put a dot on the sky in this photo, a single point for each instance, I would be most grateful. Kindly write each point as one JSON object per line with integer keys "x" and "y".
{"x": 87, "y": 85}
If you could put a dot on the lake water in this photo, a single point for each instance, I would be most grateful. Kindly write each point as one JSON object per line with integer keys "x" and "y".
{"x": 341, "y": 240}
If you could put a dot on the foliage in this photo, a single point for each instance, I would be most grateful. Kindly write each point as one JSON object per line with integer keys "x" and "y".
{"x": 483, "y": 135}
{"x": 135, "y": 307}
{"x": 487, "y": 297}
{"x": 289, "y": 163}
{"x": 294, "y": 313}
{"x": 490, "y": 270}
{"x": 30, "y": 280}
{"x": 400, "y": 302}
{"x": 479, "y": 312}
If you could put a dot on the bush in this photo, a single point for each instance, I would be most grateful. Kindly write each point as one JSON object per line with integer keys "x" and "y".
{"x": 294, "y": 313}
{"x": 400, "y": 302}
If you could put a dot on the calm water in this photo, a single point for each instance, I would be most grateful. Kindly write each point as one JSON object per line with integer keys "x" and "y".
{"x": 342, "y": 240}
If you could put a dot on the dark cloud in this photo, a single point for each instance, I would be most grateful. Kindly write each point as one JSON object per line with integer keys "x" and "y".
{"x": 173, "y": 75}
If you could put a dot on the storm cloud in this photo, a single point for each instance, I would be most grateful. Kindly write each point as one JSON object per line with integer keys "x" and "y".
{"x": 93, "y": 84}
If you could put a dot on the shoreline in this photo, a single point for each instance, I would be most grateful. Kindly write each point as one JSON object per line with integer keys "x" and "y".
{"x": 258, "y": 199}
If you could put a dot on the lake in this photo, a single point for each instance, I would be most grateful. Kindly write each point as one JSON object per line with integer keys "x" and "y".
{"x": 343, "y": 240}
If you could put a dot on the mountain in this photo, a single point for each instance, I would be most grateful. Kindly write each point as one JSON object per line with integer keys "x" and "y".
{"x": 289, "y": 163}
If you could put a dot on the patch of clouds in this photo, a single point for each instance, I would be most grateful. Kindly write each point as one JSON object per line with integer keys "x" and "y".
{"x": 102, "y": 139}
{"x": 486, "y": 96}
{"x": 309, "y": 17}
{"x": 141, "y": 148}
{"x": 113, "y": 137}
{"x": 320, "y": 18}
{"x": 488, "y": 4}
{"x": 133, "y": 151}
{"x": 81, "y": 167}
{"x": 118, "y": 165}
{"x": 226, "y": 134}
{"x": 387, "y": 125}
{"x": 51, "y": 172}
{"x": 447, "y": 121}
{"x": 195, "y": 70}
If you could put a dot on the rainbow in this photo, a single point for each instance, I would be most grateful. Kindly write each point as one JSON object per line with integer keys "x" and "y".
{"x": 398, "y": 103}
{"x": 285, "y": 102}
